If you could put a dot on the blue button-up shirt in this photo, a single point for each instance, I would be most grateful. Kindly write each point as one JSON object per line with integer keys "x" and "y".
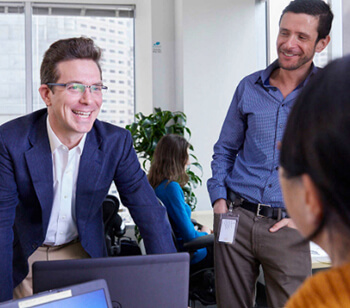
{"x": 246, "y": 156}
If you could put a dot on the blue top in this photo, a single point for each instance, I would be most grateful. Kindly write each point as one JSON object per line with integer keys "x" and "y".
{"x": 246, "y": 156}
{"x": 179, "y": 213}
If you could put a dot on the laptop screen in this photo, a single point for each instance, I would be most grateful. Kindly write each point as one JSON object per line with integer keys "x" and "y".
{"x": 93, "y": 299}
{"x": 85, "y": 295}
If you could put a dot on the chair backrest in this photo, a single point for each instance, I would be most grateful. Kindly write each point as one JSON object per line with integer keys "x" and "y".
{"x": 111, "y": 218}
{"x": 113, "y": 224}
{"x": 171, "y": 224}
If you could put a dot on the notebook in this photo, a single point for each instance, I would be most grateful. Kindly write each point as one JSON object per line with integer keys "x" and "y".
{"x": 92, "y": 294}
{"x": 133, "y": 281}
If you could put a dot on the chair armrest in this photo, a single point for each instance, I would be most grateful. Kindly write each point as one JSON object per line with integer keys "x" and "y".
{"x": 196, "y": 223}
{"x": 199, "y": 242}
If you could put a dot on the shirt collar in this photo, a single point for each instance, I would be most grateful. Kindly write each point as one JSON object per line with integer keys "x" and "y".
{"x": 265, "y": 74}
{"x": 55, "y": 143}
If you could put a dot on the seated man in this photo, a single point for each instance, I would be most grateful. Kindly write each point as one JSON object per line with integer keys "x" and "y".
{"x": 56, "y": 167}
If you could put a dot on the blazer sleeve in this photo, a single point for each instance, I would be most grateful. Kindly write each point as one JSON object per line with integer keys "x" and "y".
{"x": 138, "y": 196}
{"x": 8, "y": 203}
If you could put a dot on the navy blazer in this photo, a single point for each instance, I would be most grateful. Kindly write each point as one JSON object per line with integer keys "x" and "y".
{"x": 26, "y": 193}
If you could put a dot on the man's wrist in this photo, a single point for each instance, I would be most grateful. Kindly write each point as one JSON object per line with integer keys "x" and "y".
{"x": 220, "y": 206}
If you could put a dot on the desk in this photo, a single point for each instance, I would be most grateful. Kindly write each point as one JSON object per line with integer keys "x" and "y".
{"x": 320, "y": 259}
{"x": 205, "y": 218}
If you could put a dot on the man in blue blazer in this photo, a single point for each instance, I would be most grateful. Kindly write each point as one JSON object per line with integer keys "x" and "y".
{"x": 57, "y": 165}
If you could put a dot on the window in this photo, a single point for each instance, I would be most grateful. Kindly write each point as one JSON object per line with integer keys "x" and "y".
{"x": 22, "y": 50}
{"x": 12, "y": 63}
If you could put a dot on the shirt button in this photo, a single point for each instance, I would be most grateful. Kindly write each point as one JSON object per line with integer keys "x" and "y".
{"x": 281, "y": 125}
{"x": 283, "y": 105}
{"x": 270, "y": 185}
{"x": 276, "y": 168}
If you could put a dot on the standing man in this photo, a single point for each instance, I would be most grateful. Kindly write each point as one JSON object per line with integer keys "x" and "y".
{"x": 245, "y": 168}
{"x": 56, "y": 167}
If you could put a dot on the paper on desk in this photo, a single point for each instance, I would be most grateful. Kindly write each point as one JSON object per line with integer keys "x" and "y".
{"x": 318, "y": 254}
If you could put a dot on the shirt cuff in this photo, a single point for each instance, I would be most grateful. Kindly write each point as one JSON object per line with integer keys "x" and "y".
{"x": 218, "y": 193}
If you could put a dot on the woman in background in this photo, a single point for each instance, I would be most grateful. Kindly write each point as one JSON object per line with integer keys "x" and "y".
{"x": 167, "y": 175}
{"x": 315, "y": 180}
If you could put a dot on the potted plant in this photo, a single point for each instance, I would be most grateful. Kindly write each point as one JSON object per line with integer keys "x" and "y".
{"x": 146, "y": 131}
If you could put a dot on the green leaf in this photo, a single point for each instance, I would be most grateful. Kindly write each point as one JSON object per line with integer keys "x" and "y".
{"x": 146, "y": 131}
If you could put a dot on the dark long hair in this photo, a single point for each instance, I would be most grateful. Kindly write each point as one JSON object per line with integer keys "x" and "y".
{"x": 169, "y": 160}
{"x": 317, "y": 141}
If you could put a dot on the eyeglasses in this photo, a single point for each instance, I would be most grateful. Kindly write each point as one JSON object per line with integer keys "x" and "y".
{"x": 78, "y": 88}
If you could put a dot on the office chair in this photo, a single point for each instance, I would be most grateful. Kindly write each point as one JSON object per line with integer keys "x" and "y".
{"x": 202, "y": 281}
{"x": 114, "y": 230}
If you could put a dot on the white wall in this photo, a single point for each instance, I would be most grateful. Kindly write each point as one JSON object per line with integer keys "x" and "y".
{"x": 215, "y": 46}
{"x": 206, "y": 48}
{"x": 219, "y": 48}
{"x": 346, "y": 27}
{"x": 163, "y": 59}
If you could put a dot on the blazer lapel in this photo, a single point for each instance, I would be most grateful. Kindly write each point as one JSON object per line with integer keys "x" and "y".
{"x": 39, "y": 162}
{"x": 90, "y": 169}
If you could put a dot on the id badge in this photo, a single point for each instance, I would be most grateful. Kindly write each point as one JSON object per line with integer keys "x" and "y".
{"x": 227, "y": 228}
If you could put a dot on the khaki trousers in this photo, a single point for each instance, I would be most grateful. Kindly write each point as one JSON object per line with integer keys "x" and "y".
{"x": 72, "y": 250}
{"x": 285, "y": 259}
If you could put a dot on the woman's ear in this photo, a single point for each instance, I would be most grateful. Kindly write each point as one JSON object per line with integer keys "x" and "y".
{"x": 313, "y": 202}
{"x": 45, "y": 94}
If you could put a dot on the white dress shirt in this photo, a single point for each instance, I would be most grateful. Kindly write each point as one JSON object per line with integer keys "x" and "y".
{"x": 62, "y": 226}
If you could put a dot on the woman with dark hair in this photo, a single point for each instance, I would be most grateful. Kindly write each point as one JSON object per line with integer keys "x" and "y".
{"x": 167, "y": 175}
{"x": 315, "y": 180}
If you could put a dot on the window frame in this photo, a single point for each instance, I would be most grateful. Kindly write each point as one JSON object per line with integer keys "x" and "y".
{"x": 27, "y": 7}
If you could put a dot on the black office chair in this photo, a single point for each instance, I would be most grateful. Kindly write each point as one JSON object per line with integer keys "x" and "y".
{"x": 114, "y": 230}
{"x": 202, "y": 281}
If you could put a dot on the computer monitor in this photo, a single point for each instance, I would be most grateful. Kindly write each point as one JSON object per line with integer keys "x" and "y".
{"x": 133, "y": 281}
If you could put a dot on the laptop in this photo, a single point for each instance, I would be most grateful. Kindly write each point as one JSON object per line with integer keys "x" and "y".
{"x": 133, "y": 281}
{"x": 92, "y": 294}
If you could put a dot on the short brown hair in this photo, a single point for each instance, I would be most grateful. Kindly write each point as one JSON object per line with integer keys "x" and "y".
{"x": 64, "y": 50}
{"x": 169, "y": 160}
{"x": 316, "y": 8}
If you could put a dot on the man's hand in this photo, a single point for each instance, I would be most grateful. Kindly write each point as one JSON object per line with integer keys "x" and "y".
{"x": 285, "y": 222}
{"x": 220, "y": 206}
